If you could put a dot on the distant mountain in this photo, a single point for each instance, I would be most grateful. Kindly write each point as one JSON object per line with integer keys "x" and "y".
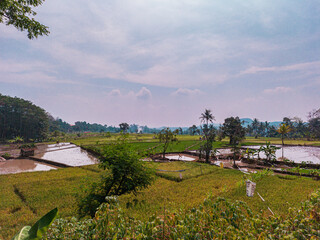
{"x": 248, "y": 121}
{"x": 245, "y": 123}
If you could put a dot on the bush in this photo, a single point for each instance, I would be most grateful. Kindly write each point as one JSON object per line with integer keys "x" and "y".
{"x": 125, "y": 173}
{"x": 214, "y": 219}
{"x": 6, "y": 156}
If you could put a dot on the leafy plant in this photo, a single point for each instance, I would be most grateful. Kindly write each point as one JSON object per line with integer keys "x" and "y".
{"x": 38, "y": 229}
{"x": 6, "y": 155}
{"x": 166, "y": 136}
{"x": 270, "y": 152}
{"x": 124, "y": 173}
{"x": 27, "y": 145}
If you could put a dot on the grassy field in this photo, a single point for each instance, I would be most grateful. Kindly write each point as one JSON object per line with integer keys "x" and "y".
{"x": 25, "y": 197}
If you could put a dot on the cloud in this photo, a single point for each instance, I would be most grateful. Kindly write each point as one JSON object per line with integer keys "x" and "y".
{"x": 307, "y": 66}
{"x": 278, "y": 90}
{"x": 115, "y": 93}
{"x": 144, "y": 94}
{"x": 186, "y": 92}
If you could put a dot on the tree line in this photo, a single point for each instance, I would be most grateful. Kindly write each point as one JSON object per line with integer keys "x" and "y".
{"x": 19, "y": 117}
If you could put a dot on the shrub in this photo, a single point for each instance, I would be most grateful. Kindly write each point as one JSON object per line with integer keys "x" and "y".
{"x": 124, "y": 173}
{"x": 214, "y": 219}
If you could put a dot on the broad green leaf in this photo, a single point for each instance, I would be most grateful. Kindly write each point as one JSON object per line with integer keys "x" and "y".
{"x": 23, "y": 234}
{"x": 41, "y": 226}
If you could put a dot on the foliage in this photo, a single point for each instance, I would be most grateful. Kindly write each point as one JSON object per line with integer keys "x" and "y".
{"x": 125, "y": 173}
{"x": 20, "y": 15}
{"x": 250, "y": 152}
{"x": 6, "y": 155}
{"x": 17, "y": 139}
{"x": 27, "y": 145}
{"x": 38, "y": 229}
{"x": 21, "y": 118}
{"x": 283, "y": 130}
{"x": 46, "y": 190}
{"x": 124, "y": 127}
{"x": 213, "y": 219}
{"x": 270, "y": 152}
{"x": 166, "y": 136}
{"x": 314, "y": 123}
{"x": 233, "y": 129}
{"x": 209, "y": 133}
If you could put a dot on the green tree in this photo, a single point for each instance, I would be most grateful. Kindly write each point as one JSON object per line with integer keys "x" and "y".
{"x": 193, "y": 129}
{"x": 208, "y": 131}
{"x": 124, "y": 127}
{"x": 166, "y": 136}
{"x": 19, "y": 13}
{"x": 283, "y": 130}
{"x": 19, "y": 117}
{"x": 233, "y": 129}
{"x": 207, "y": 117}
{"x": 124, "y": 173}
{"x": 314, "y": 123}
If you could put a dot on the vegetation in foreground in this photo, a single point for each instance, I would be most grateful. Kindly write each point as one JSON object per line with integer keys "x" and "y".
{"x": 43, "y": 191}
{"x": 214, "y": 218}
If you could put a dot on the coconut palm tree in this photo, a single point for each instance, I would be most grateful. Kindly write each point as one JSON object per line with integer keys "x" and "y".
{"x": 207, "y": 117}
{"x": 208, "y": 132}
{"x": 283, "y": 130}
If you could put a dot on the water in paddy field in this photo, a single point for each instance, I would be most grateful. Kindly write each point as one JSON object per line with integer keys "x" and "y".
{"x": 22, "y": 165}
{"x": 297, "y": 154}
{"x": 69, "y": 154}
{"x": 181, "y": 158}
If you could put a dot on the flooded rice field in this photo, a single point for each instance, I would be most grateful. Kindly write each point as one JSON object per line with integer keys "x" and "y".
{"x": 180, "y": 157}
{"x": 66, "y": 154}
{"x": 23, "y": 165}
{"x": 296, "y": 154}
{"x": 69, "y": 154}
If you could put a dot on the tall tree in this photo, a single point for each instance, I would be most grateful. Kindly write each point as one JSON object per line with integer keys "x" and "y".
{"x": 193, "y": 130}
{"x": 207, "y": 117}
{"x": 233, "y": 129}
{"x": 125, "y": 173}
{"x": 314, "y": 123}
{"x": 19, "y": 117}
{"x": 19, "y": 13}
{"x": 166, "y": 136}
{"x": 124, "y": 127}
{"x": 255, "y": 127}
{"x": 208, "y": 131}
{"x": 283, "y": 130}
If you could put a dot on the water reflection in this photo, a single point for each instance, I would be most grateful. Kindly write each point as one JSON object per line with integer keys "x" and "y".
{"x": 68, "y": 154}
{"x": 297, "y": 154}
{"x": 22, "y": 165}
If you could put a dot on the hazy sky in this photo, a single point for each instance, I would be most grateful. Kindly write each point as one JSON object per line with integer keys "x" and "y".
{"x": 160, "y": 62}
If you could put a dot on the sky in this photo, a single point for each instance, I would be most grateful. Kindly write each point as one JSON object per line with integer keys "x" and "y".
{"x": 162, "y": 63}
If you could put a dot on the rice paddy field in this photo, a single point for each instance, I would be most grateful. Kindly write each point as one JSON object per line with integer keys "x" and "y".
{"x": 25, "y": 197}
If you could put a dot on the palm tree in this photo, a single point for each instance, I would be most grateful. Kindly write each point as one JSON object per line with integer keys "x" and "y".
{"x": 207, "y": 116}
{"x": 267, "y": 126}
{"x": 283, "y": 130}
{"x": 208, "y": 132}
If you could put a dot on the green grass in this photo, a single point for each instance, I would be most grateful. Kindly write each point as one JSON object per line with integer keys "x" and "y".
{"x": 279, "y": 193}
{"x": 173, "y": 195}
{"x": 186, "y": 170}
{"x": 41, "y": 192}
{"x": 262, "y": 140}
